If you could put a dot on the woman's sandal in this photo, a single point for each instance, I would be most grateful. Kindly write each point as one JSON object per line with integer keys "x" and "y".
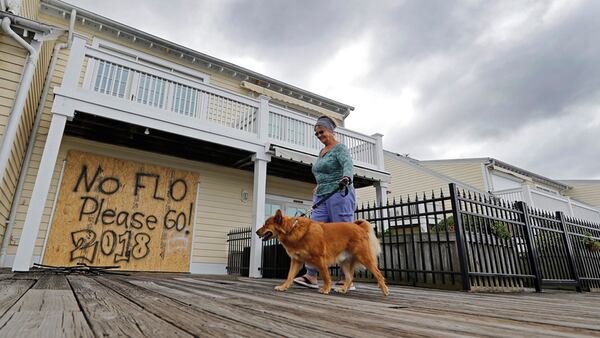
{"x": 341, "y": 283}
{"x": 304, "y": 281}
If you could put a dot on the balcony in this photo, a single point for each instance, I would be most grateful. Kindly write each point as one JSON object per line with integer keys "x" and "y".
{"x": 149, "y": 89}
{"x": 547, "y": 201}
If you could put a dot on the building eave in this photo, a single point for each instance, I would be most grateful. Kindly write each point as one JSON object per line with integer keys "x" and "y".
{"x": 535, "y": 177}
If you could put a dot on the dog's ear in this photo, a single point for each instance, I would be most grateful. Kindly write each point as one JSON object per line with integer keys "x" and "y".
{"x": 278, "y": 217}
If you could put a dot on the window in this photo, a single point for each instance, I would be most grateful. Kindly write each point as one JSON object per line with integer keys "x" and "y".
{"x": 289, "y": 207}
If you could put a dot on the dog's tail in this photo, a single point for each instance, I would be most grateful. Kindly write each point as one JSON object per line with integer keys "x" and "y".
{"x": 373, "y": 241}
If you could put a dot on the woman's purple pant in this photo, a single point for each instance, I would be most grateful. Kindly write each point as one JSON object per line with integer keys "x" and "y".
{"x": 338, "y": 208}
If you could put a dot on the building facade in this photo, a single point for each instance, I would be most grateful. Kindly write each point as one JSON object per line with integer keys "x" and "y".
{"x": 134, "y": 151}
{"x": 413, "y": 178}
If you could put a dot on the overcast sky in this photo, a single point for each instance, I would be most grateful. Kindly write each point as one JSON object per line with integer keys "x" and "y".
{"x": 515, "y": 80}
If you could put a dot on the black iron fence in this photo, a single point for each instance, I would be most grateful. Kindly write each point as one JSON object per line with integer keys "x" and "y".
{"x": 238, "y": 255}
{"x": 464, "y": 240}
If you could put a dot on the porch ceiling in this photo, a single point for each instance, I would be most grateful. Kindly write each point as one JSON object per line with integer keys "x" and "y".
{"x": 100, "y": 129}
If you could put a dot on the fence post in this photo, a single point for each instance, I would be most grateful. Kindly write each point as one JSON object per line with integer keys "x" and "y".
{"x": 460, "y": 238}
{"x": 531, "y": 249}
{"x": 570, "y": 253}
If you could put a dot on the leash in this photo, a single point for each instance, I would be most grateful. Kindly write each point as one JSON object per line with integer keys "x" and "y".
{"x": 316, "y": 205}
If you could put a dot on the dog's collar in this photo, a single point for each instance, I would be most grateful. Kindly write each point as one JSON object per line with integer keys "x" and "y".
{"x": 293, "y": 225}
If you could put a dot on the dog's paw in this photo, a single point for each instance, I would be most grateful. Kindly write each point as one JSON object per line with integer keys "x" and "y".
{"x": 341, "y": 289}
{"x": 324, "y": 291}
{"x": 281, "y": 288}
{"x": 385, "y": 290}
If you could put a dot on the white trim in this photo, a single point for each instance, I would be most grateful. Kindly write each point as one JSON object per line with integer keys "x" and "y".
{"x": 258, "y": 212}
{"x": 208, "y": 268}
{"x": 194, "y": 225}
{"x": 72, "y": 72}
{"x": 60, "y": 178}
{"x": 138, "y": 114}
{"x": 486, "y": 178}
{"x": 287, "y": 199}
{"x": 24, "y": 255}
{"x": 115, "y": 49}
{"x": 547, "y": 190}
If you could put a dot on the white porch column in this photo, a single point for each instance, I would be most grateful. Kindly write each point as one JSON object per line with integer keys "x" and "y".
{"x": 259, "y": 192}
{"x": 263, "y": 118}
{"x": 24, "y": 255}
{"x": 381, "y": 189}
{"x": 379, "y": 151}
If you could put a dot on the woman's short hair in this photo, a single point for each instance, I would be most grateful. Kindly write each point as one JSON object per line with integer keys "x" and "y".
{"x": 326, "y": 122}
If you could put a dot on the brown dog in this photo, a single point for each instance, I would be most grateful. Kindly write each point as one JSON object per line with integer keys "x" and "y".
{"x": 322, "y": 244}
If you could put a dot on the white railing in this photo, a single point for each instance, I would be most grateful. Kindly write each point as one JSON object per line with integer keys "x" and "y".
{"x": 548, "y": 201}
{"x": 295, "y": 130}
{"x": 122, "y": 78}
{"x": 171, "y": 92}
{"x": 510, "y": 195}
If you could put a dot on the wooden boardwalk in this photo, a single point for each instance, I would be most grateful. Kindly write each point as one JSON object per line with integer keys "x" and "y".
{"x": 183, "y": 305}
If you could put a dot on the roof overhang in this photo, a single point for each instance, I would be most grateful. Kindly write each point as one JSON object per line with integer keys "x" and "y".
{"x": 362, "y": 176}
{"x": 534, "y": 177}
{"x": 42, "y": 31}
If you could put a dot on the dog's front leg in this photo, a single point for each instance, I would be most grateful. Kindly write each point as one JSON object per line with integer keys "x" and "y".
{"x": 295, "y": 266}
{"x": 326, "y": 277}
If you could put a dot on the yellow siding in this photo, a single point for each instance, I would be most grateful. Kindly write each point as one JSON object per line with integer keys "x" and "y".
{"x": 406, "y": 181}
{"x": 30, "y": 9}
{"x": 13, "y": 58}
{"x": 468, "y": 172}
{"x": 585, "y": 191}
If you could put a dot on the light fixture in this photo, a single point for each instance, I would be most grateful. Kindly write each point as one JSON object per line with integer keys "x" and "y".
{"x": 147, "y": 131}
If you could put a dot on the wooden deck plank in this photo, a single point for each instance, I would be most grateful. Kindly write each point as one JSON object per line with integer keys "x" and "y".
{"x": 45, "y": 310}
{"x": 194, "y": 320}
{"x": 576, "y": 310}
{"x": 44, "y": 324}
{"x": 193, "y": 305}
{"x": 422, "y": 317}
{"x": 52, "y": 282}
{"x": 231, "y": 310}
{"x": 110, "y": 314}
{"x": 11, "y": 291}
{"x": 318, "y": 311}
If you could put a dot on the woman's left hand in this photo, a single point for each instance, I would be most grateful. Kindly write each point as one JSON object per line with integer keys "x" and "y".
{"x": 344, "y": 182}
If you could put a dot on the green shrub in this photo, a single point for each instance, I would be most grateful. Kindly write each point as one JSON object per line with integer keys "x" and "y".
{"x": 500, "y": 230}
{"x": 444, "y": 225}
{"x": 592, "y": 244}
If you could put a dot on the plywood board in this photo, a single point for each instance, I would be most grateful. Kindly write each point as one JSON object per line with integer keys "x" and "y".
{"x": 117, "y": 212}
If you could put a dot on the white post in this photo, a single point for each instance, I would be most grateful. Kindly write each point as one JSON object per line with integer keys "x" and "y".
{"x": 379, "y": 151}
{"x": 526, "y": 195}
{"x": 258, "y": 210}
{"x": 381, "y": 189}
{"x": 570, "y": 206}
{"x": 24, "y": 255}
{"x": 262, "y": 124}
{"x": 75, "y": 64}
